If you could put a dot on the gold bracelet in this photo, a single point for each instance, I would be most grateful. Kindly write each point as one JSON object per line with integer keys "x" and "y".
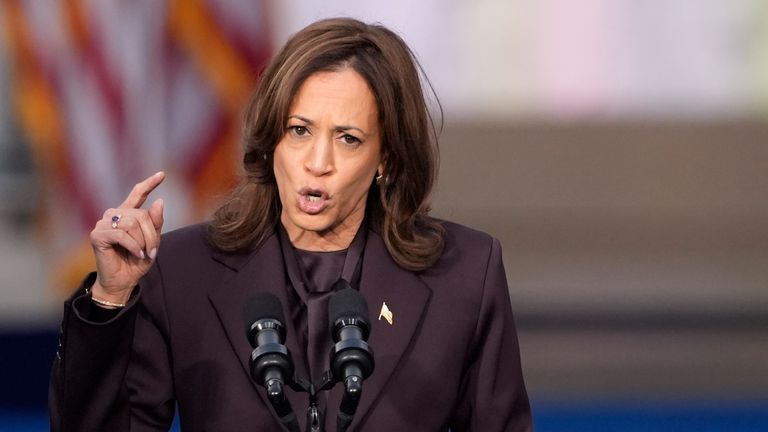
{"x": 107, "y": 303}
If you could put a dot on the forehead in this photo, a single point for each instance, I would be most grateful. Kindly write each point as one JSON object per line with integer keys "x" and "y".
{"x": 344, "y": 92}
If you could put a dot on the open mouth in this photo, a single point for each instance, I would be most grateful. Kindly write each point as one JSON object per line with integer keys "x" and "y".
{"x": 313, "y": 201}
{"x": 314, "y": 196}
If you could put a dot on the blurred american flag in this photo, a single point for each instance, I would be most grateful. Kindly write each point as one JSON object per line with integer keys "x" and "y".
{"x": 109, "y": 92}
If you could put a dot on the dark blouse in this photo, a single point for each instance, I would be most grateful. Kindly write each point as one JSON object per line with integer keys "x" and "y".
{"x": 319, "y": 272}
{"x": 312, "y": 277}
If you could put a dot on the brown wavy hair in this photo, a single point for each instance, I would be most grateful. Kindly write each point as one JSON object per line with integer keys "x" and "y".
{"x": 398, "y": 206}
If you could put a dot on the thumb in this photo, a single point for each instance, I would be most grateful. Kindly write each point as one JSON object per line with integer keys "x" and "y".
{"x": 156, "y": 214}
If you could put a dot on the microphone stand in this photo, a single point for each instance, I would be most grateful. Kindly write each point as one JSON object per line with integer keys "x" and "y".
{"x": 353, "y": 389}
{"x": 315, "y": 421}
{"x": 276, "y": 395}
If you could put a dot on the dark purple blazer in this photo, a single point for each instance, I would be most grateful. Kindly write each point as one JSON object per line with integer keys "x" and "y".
{"x": 450, "y": 359}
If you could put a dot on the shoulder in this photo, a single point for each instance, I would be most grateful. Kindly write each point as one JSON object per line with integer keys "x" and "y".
{"x": 461, "y": 236}
{"x": 188, "y": 244}
{"x": 466, "y": 251}
{"x": 188, "y": 234}
{"x": 188, "y": 240}
{"x": 469, "y": 273}
{"x": 191, "y": 248}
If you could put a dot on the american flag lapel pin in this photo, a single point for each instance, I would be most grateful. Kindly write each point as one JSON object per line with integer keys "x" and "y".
{"x": 386, "y": 313}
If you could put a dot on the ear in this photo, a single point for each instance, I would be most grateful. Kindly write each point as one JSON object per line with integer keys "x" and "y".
{"x": 380, "y": 170}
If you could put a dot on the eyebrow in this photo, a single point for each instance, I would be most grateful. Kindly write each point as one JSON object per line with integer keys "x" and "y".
{"x": 337, "y": 128}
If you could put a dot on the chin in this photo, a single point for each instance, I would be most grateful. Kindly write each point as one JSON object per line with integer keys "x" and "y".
{"x": 317, "y": 223}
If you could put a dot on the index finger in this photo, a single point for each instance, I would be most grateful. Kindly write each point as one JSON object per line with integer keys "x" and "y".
{"x": 141, "y": 191}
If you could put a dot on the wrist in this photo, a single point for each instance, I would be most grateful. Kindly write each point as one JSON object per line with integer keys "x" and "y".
{"x": 108, "y": 299}
{"x": 106, "y": 304}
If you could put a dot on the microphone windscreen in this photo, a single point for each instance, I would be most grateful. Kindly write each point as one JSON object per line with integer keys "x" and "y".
{"x": 347, "y": 303}
{"x": 261, "y": 306}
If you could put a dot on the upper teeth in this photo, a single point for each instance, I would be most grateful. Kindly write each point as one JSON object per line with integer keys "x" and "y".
{"x": 313, "y": 198}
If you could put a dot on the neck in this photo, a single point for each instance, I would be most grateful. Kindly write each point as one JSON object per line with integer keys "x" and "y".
{"x": 336, "y": 238}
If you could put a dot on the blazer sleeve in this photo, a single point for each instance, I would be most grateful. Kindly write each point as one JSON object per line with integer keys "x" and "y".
{"x": 494, "y": 397}
{"x": 108, "y": 376}
{"x": 87, "y": 389}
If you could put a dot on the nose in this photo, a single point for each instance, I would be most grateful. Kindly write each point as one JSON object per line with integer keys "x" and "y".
{"x": 319, "y": 160}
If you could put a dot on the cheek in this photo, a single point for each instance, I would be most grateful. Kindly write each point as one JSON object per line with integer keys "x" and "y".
{"x": 282, "y": 177}
{"x": 360, "y": 183}
{"x": 280, "y": 161}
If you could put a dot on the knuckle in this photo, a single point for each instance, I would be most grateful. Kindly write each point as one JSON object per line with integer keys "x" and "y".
{"x": 128, "y": 224}
{"x": 145, "y": 220}
{"x": 143, "y": 216}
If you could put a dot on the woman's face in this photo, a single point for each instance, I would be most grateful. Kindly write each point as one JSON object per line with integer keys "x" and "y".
{"x": 326, "y": 160}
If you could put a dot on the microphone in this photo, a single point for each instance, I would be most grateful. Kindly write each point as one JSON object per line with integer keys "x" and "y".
{"x": 271, "y": 363}
{"x": 351, "y": 358}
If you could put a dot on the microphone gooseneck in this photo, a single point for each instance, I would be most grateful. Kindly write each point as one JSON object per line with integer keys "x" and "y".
{"x": 271, "y": 363}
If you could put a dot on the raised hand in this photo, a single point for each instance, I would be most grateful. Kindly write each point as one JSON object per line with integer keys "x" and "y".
{"x": 125, "y": 242}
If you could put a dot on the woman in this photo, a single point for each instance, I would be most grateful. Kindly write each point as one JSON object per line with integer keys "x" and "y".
{"x": 339, "y": 164}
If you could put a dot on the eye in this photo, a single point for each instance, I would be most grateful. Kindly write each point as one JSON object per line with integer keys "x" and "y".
{"x": 297, "y": 130}
{"x": 350, "y": 140}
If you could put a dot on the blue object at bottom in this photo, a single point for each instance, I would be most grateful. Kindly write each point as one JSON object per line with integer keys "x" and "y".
{"x": 657, "y": 416}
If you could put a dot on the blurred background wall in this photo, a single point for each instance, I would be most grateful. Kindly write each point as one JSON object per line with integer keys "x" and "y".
{"x": 616, "y": 148}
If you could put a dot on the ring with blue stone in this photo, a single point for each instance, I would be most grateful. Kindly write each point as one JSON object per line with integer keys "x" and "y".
{"x": 115, "y": 220}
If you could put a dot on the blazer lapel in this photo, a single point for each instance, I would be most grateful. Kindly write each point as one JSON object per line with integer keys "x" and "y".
{"x": 231, "y": 296}
{"x": 407, "y": 296}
